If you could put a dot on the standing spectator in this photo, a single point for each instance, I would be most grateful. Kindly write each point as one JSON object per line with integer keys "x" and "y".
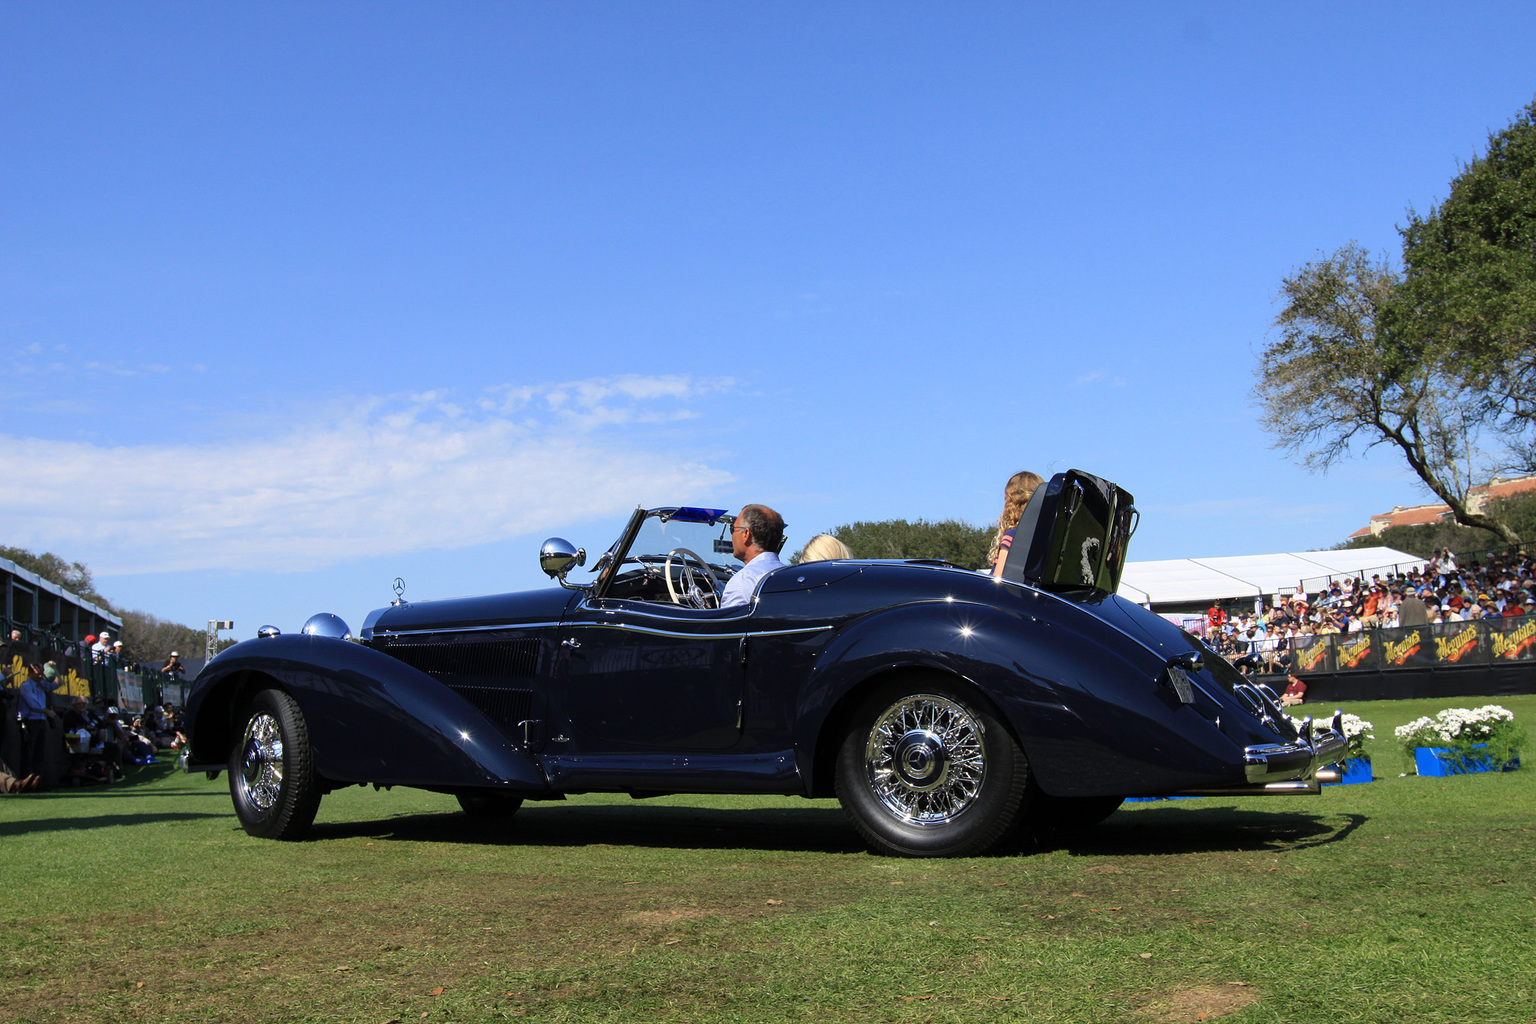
{"x": 174, "y": 668}
{"x": 1411, "y": 610}
{"x": 102, "y": 647}
{"x": 35, "y": 714}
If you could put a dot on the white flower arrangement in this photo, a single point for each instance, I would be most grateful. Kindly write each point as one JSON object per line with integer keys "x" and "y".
{"x": 1489, "y": 731}
{"x": 1455, "y": 724}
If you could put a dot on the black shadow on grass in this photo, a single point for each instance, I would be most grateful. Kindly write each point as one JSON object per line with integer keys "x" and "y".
{"x": 1207, "y": 830}
{"x": 826, "y": 830}
{"x": 21, "y": 828}
{"x": 818, "y": 829}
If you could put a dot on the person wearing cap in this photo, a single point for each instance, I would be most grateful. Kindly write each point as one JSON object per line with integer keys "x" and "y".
{"x": 35, "y": 715}
{"x": 102, "y": 647}
{"x": 1411, "y": 610}
{"x": 173, "y": 666}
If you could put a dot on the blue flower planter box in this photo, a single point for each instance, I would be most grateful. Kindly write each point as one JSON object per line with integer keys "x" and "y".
{"x": 1356, "y": 770}
{"x": 1444, "y": 761}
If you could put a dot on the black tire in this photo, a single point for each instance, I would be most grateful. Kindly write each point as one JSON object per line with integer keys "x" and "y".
{"x": 272, "y": 769}
{"x": 927, "y": 770}
{"x": 492, "y": 805}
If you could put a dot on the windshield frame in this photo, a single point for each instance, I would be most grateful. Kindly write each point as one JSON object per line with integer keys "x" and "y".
{"x": 608, "y": 564}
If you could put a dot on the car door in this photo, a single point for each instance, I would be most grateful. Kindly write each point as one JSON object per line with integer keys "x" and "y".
{"x": 645, "y": 676}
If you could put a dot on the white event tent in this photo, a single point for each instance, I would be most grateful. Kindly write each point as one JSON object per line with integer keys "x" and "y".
{"x": 1186, "y": 583}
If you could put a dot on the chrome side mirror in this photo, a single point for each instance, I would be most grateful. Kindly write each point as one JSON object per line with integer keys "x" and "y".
{"x": 556, "y": 559}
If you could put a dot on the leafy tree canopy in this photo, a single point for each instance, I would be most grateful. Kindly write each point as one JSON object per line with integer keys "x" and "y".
{"x": 74, "y": 577}
{"x": 952, "y": 540}
{"x": 1429, "y": 363}
{"x": 1470, "y": 284}
{"x": 1337, "y": 377}
{"x": 145, "y": 637}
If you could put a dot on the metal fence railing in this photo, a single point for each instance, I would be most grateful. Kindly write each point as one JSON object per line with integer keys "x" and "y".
{"x": 123, "y": 684}
{"x": 1498, "y": 641}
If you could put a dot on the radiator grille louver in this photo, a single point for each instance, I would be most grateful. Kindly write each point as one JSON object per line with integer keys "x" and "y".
{"x": 508, "y": 659}
{"x": 495, "y": 676}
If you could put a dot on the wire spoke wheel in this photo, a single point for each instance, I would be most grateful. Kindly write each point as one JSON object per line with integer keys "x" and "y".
{"x": 930, "y": 771}
{"x": 272, "y": 779}
{"x": 925, "y": 760}
{"x": 261, "y": 763}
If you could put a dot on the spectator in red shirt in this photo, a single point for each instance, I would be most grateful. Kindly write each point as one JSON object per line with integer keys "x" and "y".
{"x": 1295, "y": 690}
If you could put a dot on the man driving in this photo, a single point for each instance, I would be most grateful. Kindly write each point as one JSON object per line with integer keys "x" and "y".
{"x": 756, "y": 539}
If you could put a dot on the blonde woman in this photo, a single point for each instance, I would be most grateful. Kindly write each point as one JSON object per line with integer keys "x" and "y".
{"x": 822, "y": 547}
{"x": 1021, "y": 487}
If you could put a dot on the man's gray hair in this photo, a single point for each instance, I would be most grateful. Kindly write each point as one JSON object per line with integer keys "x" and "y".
{"x": 767, "y": 526}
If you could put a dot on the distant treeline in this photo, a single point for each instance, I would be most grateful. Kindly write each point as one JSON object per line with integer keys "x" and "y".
{"x": 145, "y": 637}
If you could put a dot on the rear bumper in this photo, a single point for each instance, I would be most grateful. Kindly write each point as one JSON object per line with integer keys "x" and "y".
{"x": 1278, "y": 769}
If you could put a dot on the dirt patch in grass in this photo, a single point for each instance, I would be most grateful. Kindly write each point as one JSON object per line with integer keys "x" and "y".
{"x": 1203, "y": 1002}
{"x": 664, "y": 917}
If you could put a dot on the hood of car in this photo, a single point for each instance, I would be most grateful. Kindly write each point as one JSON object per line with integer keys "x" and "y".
{"x": 525, "y": 608}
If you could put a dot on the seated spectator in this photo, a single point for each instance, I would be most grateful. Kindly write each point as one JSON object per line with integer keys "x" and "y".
{"x": 824, "y": 547}
{"x": 97, "y": 735}
{"x": 1249, "y": 644}
{"x": 1016, "y": 494}
{"x": 1295, "y": 690}
{"x": 11, "y": 783}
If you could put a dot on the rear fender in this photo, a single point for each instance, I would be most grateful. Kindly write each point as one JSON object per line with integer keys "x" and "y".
{"x": 371, "y": 718}
{"x": 1087, "y": 710}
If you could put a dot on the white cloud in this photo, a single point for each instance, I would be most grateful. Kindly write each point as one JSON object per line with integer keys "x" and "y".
{"x": 387, "y": 476}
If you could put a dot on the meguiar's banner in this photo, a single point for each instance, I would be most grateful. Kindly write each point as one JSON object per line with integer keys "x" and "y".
{"x": 1511, "y": 639}
{"x": 1459, "y": 643}
{"x": 1406, "y": 646}
{"x": 1357, "y": 651}
{"x": 1315, "y": 656}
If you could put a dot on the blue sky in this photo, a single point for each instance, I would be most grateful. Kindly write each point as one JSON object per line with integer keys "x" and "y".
{"x": 298, "y": 298}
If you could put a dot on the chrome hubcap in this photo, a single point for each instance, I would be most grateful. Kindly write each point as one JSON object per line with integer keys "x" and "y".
{"x": 261, "y": 762}
{"x": 925, "y": 760}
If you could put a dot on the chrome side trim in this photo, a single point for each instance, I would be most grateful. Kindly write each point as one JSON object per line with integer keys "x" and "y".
{"x": 651, "y": 631}
{"x": 604, "y": 625}
{"x": 385, "y": 634}
{"x": 1290, "y": 787}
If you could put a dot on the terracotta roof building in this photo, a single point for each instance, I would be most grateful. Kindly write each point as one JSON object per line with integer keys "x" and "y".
{"x": 1420, "y": 515}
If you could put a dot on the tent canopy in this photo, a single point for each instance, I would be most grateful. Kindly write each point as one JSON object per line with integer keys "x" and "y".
{"x": 1183, "y": 581}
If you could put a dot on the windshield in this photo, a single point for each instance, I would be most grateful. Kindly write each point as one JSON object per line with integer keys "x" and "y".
{"x": 675, "y": 552}
{"x": 710, "y": 541}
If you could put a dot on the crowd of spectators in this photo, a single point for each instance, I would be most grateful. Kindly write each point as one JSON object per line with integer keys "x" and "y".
{"x": 72, "y": 738}
{"x": 1442, "y": 591}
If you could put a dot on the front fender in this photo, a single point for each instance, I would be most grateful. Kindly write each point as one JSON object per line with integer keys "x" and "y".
{"x": 370, "y": 717}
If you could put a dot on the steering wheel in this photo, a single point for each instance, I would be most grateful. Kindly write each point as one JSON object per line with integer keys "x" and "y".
{"x": 689, "y": 578}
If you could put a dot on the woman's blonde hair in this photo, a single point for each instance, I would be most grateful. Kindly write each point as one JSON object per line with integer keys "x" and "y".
{"x": 1021, "y": 487}
{"x": 822, "y": 547}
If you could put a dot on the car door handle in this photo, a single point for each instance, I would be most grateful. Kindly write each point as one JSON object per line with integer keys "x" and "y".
{"x": 571, "y": 642}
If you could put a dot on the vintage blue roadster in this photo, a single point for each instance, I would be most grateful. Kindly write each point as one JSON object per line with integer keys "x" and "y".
{"x": 948, "y": 711}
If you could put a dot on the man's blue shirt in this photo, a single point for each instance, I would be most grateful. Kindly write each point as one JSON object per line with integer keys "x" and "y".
{"x": 739, "y": 588}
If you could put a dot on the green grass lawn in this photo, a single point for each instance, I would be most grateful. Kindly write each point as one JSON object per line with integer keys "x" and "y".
{"x": 1401, "y": 901}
